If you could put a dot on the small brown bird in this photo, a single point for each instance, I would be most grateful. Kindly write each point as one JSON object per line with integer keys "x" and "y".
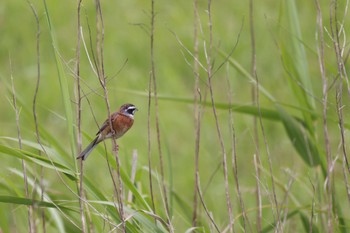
{"x": 121, "y": 122}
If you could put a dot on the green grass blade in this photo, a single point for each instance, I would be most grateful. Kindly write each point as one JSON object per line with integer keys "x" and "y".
{"x": 300, "y": 139}
{"x": 337, "y": 210}
{"x": 26, "y": 201}
{"x": 266, "y": 113}
{"x": 40, "y": 160}
{"x": 184, "y": 206}
{"x": 300, "y": 61}
{"x": 306, "y": 223}
{"x": 296, "y": 63}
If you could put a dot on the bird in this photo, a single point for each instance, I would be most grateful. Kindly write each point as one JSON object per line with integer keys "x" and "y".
{"x": 122, "y": 120}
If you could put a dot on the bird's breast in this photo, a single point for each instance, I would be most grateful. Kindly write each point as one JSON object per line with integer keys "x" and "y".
{"x": 121, "y": 125}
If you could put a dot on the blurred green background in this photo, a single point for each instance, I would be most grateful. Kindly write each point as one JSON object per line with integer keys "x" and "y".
{"x": 127, "y": 41}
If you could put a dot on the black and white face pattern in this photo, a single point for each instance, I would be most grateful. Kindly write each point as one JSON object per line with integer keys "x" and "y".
{"x": 129, "y": 110}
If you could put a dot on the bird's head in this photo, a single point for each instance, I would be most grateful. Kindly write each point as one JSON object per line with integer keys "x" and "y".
{"x": 128, "y": 109}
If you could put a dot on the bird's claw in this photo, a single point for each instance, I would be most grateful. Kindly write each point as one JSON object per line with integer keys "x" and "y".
{"x": 116, "y": 148}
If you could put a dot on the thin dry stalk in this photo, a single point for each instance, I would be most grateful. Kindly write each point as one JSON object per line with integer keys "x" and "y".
{"x": 321, "y": 61}
{"x": 339, "y": 51}
{"x": 149, "y": 143}
{"x": 112, "y": 177}
{"x": 341, "y": 61}
{"x": 339, "y": 101}
{"x": 78, "y": 111}
{"x": 102, "y": 79}
{"x": 197, "y": 109}
{"x": 77, "y": 75}
{"x": 257, "y": 165}
{"x": 312, "y": 207}
{"x": 346, "y": 180}
{"x": 277, "y": 215}
{"x": 198, "y": 121}
{"x": 255, "y": 120}
{"x": 154, "y": 80}
{"x": 257, "y": 160}
{"x": 223, "y": 150}
{"x": 88, "y": 213}
{"x": 285, "y": 200}
{"x": 38, "y": 74}
{"x": 31, "y": 223}
{"x": 34, "y": 109}
{"x": 205, "y": 206}
{"x": 234, "y": 154}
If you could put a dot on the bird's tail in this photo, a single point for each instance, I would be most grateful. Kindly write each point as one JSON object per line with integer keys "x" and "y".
{"x": 85, "y": 153}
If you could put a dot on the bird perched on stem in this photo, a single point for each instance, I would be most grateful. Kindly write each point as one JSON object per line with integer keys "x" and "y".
{"x": 122, "y": 121}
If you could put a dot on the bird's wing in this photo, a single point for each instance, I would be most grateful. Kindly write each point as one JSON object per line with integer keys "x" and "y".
{"x": 106, "y": 123}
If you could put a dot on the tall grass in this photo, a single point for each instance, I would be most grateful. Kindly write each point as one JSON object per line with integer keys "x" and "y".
{"x": 248, "y": 138}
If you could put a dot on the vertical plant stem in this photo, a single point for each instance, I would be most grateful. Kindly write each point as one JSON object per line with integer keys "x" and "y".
{"x": 255, "y": 120}
{"x": 258, "y": 195}
{"x": 102, "y": 80}
{"x": 234, "y": 154}
{"x": 335, "y": 33}
{"x": 312, "y": 207}
{"x": 257, "y": 160}
{"x": 31, "y": 223}
{"x": 120, "y": 191}
{"x": 285, "y": 201}
{"x": 78, "y": 111}
{"x": 339, "y": 49}
{"x": 197, "y": 110}
{"x": 277, "y": 215}
{"x": 34, "y": 109}
{"x": 210, "y": 75}
{"x": 149, "y": 144}
{"x": 204, "y": 205}
{"x": 339, "y": 101}
{"x": 321, "y": 61}
{"x": 346, "y": 180}
{"x": 153, "y": 14}
{"x": 197, "y": 144}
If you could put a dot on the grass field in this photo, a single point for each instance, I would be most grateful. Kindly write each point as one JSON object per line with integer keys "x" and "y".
{"x": 242, "y": 123}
